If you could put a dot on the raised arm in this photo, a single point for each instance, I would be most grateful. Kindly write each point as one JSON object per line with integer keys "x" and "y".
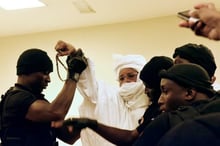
{"x": 87, "y": 84}
{"x": 41, "y": 110}
{"x": 120, "y": 137}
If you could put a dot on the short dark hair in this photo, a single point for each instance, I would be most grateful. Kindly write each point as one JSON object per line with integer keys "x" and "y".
{"x": 198, "y": 54}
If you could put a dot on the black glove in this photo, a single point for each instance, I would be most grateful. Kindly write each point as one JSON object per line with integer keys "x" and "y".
{"x": 76, "y": 63}
{"x": 80, "y": 123}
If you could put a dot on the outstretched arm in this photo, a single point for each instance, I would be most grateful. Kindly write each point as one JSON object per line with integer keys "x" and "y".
{"x": 120, "y": 137}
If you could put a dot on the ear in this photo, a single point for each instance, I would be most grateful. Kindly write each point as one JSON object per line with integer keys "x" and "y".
{"x": 190, "y": 94}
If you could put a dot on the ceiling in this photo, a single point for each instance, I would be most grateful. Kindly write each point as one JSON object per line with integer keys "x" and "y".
{"x": 62, "y": 14}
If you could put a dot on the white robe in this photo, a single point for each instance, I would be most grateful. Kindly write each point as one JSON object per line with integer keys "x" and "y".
{"x": 103, "y": 103}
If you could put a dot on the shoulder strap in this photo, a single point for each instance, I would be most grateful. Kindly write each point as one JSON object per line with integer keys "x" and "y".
{"x": 3, "y": 98}
{"x": 212, "y": 107}
{"x": 181, "y": 114}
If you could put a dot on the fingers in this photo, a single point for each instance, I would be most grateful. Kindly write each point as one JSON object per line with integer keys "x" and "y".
{"x": 213, "y": 35}
{"x": 191, "y": 21}
{"x": 64, "y": 48}
{"x": 70, "y": 128}
{"x": 205, "y": 5}
{"x": 211, "y": 6}
{"x": 184, "y": 24}
{"x": 61, "y": 46}
{"x": 56, "y": 124}
{"x": 198, "y": 28}
{"x": 201, "y": 5}
{"x": 188, "y": 24}
{"x": 194, "y": 13}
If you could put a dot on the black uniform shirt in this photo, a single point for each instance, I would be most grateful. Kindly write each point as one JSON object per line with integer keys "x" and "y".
{"x": 16, "y": 128}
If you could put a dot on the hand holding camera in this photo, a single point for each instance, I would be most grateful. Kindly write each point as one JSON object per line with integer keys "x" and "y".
{"x": 76, "y": 63}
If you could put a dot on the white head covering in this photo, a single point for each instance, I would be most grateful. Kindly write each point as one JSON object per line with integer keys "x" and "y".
{"x": 136, "y": 62}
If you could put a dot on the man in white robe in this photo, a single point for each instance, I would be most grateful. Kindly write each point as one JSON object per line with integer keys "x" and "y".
{"x": 120, "y": 107}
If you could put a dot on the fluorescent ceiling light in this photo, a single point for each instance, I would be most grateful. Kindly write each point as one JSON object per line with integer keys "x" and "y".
{"x": 20, "y": 4}
{"x": 83, "y": 6}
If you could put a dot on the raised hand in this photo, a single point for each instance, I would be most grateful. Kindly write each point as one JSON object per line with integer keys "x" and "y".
{"x": 64, "y": 49}
{"x": 76, "y": 63}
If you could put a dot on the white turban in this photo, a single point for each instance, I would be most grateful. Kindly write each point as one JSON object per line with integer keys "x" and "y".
{"x": 136, "y": 62}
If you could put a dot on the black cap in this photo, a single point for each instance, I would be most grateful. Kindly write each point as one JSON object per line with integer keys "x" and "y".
{"x": 150, "y": 72}
{"x": 191, "y": 76}
{"x": 198, "y": 54}
{"x": 34, "y": 60}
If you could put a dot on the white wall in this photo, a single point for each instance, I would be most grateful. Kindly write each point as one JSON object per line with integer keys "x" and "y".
{"x": 159, "y": 36}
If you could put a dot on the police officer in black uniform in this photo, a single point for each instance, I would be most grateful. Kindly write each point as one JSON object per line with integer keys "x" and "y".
{"x": 27, "y": 118}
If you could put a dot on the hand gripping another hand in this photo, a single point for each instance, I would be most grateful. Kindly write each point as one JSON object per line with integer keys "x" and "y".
{"x": 81, "y": 123}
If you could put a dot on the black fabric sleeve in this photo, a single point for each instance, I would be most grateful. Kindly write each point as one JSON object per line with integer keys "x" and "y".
{"x": 154, "y": 131}
{"x": 150, "y": 114}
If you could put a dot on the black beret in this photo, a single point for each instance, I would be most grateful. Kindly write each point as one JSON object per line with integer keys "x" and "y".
{"x": 34, "y": 60}
{"x": 191, "y": 76}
